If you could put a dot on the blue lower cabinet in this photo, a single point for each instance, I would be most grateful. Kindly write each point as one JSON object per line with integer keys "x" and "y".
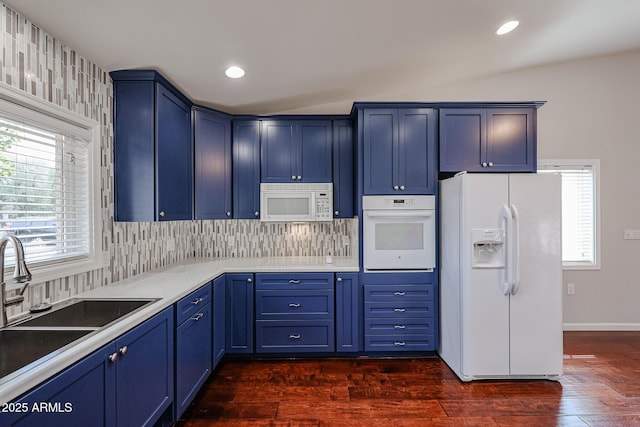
{"x": 294, "y": 336}
{"x": 348, "y": 313}
{"x": 399, "y": 342}
{"x": 128, "y": 382}
{"x": 219, "y": 319}
{"x": 239, "y": 313}
{"x": 193, "y": 356}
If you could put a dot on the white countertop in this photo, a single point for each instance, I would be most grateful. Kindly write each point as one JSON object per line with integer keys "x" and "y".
{"x": 168, "y": 285}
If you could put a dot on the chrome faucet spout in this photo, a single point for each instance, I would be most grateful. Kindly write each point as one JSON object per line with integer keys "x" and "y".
{"x": 21, "y": 274}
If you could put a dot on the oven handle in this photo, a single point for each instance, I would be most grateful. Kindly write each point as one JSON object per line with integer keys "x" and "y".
{"x": 400, "y": 214}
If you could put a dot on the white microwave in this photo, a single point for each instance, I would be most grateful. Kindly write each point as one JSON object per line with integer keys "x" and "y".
{"x": 296, "y": 202}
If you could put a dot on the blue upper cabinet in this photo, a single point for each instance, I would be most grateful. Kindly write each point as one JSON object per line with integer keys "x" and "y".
{"x": 296, "y": 150}
{"x": 153, "y": 154}
{"x": 342, "y": 169}
{"x": 488, "y": 139}
{"x": 399, "y": 150}
{"x": 212, "y": 145}
{"x": 246, "y": 169}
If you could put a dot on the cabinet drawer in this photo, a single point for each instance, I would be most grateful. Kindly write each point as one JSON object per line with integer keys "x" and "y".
{"x": 398, "y": 310}
{"x": 294, "y": 336}
{"x": 294, "y": 305}
{"x": 193, "y": 302}
{"x": 399, "y": 342}
{"x": 294, "y": 281}
{"x": 373, "y": 293}
{"x": 401, "y": 326}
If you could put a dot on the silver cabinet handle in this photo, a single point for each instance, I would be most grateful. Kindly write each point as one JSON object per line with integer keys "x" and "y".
{"x": 249, "y": 280}
{"x": 338, "y": 279}
{"x": 336, "y": 213}
{"x": 197, "y": 301}
{"x": 399, "y": 343}
{"x": 402, "y": 187}
{"x": 161, "y": 214}
{"x": 294, "y": 337}
{"x": 399, "y": 310}
{"x": 294, "y": 305}
{"x": 113, "y": 357}
{"x": 299, "y": 177}
{"x": 490, "y": 164}
{"x": 294, "y": 282}
{"x": 293, "y": 177}
{"x": 399, "y": 294}
{"x": 197, "y": 317}
{"x": 399, "y": 327}
{"x": 256, "y": 213}
{"x": 395, "y": 187}
{"x": 484, "y": 164}
{"x": 123, "y": 350}
{"x": 228, "y": 213}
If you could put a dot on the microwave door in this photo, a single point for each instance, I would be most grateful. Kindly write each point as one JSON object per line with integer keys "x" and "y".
{"x": 289, "y": 207}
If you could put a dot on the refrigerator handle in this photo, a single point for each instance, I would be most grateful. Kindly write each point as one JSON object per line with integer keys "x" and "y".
{"x": 507, "y": 216}
{"x": 516, "y": 250}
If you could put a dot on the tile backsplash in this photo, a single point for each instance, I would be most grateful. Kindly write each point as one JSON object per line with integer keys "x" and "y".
{"x": 42, "y": 66}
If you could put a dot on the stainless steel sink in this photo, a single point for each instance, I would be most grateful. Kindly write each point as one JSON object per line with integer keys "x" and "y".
{"x": 18, "y": 348}
{"x": 88, "y": 313}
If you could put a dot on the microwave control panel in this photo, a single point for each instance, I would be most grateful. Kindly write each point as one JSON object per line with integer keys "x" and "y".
{"x": 324, "y": 206}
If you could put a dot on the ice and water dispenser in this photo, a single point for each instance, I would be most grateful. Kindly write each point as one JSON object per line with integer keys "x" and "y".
{"x": 488, "y": 248}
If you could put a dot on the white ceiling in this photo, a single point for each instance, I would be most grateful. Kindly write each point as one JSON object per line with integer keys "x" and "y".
{"x": 322, "y": 55}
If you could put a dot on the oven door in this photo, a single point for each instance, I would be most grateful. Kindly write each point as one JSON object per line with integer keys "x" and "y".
{"x": 399, "y": 240}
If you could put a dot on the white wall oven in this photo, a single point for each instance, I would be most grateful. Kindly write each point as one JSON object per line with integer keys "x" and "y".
{"x": 399, "y": 233}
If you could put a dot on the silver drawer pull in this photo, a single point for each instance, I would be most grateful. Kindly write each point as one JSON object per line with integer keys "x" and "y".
{"x": 399, "y": 310}
{"x": 294, "y": 337}
{"x": 198, "y": 316}
{"x": 113, "y": 357}
{"x": 399, "y": 294}
{"x": 294, "y": 305}
{"x": 399, "y": 327}
{"x": 294, "y": 282}
{"x": 197, "y": 301}
{"x": 399, "y": 343}
{"x": 123, "y": 350}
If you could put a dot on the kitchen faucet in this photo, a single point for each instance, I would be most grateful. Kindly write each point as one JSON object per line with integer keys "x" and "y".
{"x": 21, "y": 274}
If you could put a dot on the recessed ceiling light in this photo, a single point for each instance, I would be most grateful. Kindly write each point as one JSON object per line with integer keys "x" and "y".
{"x": 507, "y": 27}
{"x": 234, "y": 72}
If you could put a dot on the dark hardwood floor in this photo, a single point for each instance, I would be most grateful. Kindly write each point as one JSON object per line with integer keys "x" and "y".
{"x": 600, "y": 387}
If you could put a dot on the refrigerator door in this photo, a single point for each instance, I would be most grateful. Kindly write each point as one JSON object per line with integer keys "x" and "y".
{"x": 536, "y": 300}
{"x": 484, "y": 306}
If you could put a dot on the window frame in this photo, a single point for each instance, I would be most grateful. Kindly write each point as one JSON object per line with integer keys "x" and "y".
{"x": 595, "y": 167}
{"x": 17, "y": 103}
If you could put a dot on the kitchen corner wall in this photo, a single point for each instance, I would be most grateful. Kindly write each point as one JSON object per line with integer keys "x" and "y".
{"x": 36, "y": 63}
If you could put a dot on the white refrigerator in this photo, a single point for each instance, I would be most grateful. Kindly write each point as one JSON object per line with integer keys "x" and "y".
{"x": 501, "y": 276}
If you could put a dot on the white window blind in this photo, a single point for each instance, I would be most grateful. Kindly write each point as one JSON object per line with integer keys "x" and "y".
{"x": 579, "y": 231}
{"x": 44, "y": 191}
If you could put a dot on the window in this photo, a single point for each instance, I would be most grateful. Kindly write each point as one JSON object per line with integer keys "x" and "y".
{"x": 580, "y": 228}
{"x": 47, "y": 180}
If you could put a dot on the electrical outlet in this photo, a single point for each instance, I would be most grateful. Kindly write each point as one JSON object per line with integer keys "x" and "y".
{"x": 171, "y": 245}
{"x": 571, "y": 289}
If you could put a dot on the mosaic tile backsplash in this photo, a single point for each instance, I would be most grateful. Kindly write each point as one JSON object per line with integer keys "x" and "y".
{"x": 38, "y": 64}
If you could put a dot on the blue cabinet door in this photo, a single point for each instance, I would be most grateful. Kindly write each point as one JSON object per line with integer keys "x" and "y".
{"x": 488, "y": 140}
{"x": 314, "y": 151}
{"x": 193, "y": 357}
{"x": 511, "y": 140}
{"x": 348, "y": 313}
{"x": 134, "y": 151}
{"x": 212, "y": 145}
{"x": 380, "y": 150}
{"x": 239, "y": 311}
{"x": 145, "y": 371}
{"x": 343, "y": 169}
{"x": 219, "y": 319}
{"x": 174, "y": 157}
{"x": 246, "y": 169}
{"x": 279, "y": 151}
{"x": 417, "y": 164}
{"x": 85, "y": 393}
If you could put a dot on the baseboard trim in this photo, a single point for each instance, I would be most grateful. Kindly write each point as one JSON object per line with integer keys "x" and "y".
{"x": 601, "y": 326}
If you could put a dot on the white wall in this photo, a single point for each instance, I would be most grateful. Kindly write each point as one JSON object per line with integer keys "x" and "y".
{"x": 592, "y": 111}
